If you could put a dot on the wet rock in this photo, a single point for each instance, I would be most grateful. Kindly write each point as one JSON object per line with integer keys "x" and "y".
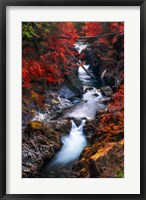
{"x": 66, "y": 92}
{"x": 105, "y": 100}
{"x": 62, "y": 126}
{"x": 107, "y": 91}
{"x": 39, "y": 143}
{"x": 72, "y": 86}
{"x": 90, "y": 129}
{"x": 96, "y": 95}
{"x": 107, "y": 162}
{"x": 64, "y": 103}
{"x": 88, "y": 89}
{"x": 75, "y": 100}
{"x": 52, "y": 110}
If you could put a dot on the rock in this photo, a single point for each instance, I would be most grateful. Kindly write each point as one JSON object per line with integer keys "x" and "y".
{"x": 53, "y": 110}
{"x": 72, "y": 86}
{"x": 106, "y": 60}
{"x": 39, "y": 143}
{"x": 80, "y": 164}
{"x": 64, "y": 103}
{"x": 104, "y": 155}
{"x": 107, "y": 91}
{"x": 43, "y": 104}
{"x": 62, "y": 126}
{"x": 96, "y": 95}
{"x": 90, "y": 129}
{"x": 107, "y": 162}
{"x": 101, "y": 161}
{"x": 28, "y": 110}
{"x": 105, "y": 100}
{"x": 75, "y": 100}
{"x": 66, "y": 92}
{"x": 88, "y": 89}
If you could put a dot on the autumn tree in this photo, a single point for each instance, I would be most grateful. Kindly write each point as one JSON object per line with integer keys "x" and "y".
{"x": 46, "y": 51}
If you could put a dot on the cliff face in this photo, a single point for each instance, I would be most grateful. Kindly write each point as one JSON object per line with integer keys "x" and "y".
{"x": 106, "y": 61}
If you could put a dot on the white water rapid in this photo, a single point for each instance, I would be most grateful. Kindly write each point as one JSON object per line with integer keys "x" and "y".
{"x": 73, "y": 144}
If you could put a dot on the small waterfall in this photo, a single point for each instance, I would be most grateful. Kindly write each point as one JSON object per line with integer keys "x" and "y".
{"x": 73, "y": 144}
{"x": 73, "y": 125}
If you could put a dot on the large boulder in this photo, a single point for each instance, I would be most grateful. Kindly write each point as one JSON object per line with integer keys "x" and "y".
{"x": 108, "y": 162}
{"x": 72, "y": 86}
{"x": 107, "y": 91}
{"x": 63, "y": 126}
{"x": 39, "y": 144}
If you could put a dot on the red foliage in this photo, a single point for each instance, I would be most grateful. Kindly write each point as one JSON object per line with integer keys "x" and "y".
{"x": 53, "y": 63}
{"x": 97, "y": 28}
{"x": 93, "y": 28}
{"x": 112, "y": 122}
{"x": 116, "y": 26}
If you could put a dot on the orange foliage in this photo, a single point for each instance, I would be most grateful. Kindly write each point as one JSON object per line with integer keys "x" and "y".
{"x": 112, "y": 122}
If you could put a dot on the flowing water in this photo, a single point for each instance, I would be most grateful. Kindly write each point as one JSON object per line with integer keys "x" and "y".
{"x": 90, "y": 101}
{"x": 73, "y": 143}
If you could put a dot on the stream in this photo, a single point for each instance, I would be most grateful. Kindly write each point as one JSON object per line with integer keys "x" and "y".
{"x": 74, "y": 142}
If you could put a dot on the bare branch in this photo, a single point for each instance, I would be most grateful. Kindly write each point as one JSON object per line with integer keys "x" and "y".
{"x": 99, "y": 36}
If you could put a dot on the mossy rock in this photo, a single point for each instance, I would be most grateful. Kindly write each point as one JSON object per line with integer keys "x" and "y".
{"x": 35, "y": 125}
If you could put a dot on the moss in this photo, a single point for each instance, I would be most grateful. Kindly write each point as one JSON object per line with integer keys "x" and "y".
{"x": 36, "y": 125}
{"x": 120, "y": 174}
{"x": 52, "y": 132}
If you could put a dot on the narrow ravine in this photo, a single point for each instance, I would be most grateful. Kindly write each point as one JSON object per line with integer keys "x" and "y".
{"x": 72, "y": 99}
{"x": 74, "y": 142}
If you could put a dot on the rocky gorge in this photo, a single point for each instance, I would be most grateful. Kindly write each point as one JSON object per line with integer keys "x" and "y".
{"x": 47, "y": 117}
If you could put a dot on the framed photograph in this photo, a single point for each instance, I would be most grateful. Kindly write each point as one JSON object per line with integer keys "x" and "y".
{"x": 72, "y": 99}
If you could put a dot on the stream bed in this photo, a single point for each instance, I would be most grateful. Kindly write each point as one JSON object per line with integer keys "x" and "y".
{"x": 74, "y": 142}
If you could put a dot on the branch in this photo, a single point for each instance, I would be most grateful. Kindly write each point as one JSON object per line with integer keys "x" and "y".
{"x": 92, "y": 37}
{"x": 99, "y": 36}
{"x": 83, "y": 67}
